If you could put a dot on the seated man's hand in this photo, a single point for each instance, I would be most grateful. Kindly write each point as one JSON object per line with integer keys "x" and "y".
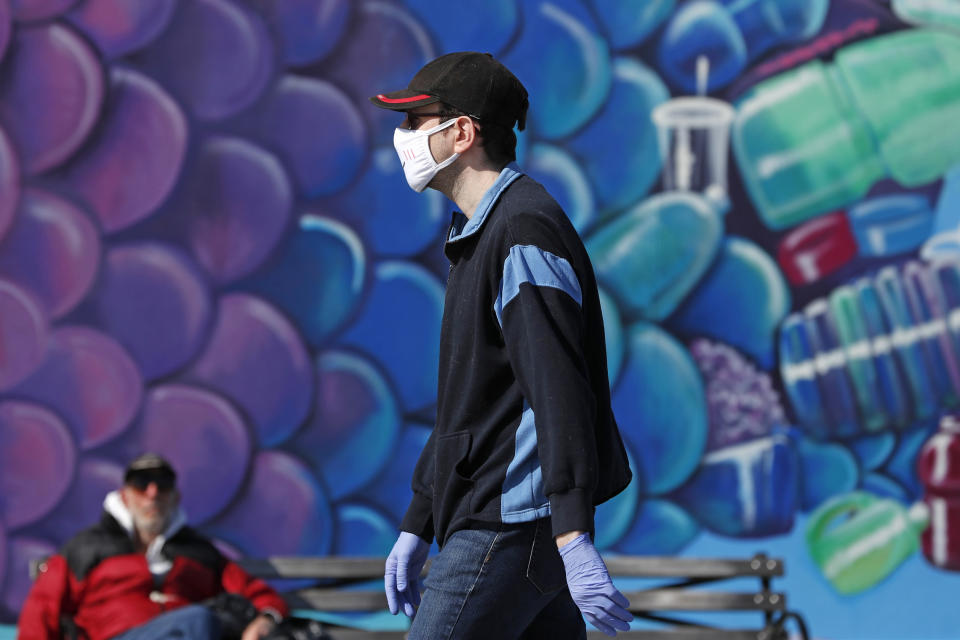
{"x": 591, "y": 588}
{"x": 258, "y": 628}
{"x": 401, "y": 576}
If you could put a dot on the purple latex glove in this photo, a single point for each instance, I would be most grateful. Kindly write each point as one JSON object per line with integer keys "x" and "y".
{"x": 591, "y": 588}
{"x": 401, "y": 578}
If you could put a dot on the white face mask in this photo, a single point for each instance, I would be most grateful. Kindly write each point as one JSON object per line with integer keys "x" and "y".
{"x": 413, "y": 147}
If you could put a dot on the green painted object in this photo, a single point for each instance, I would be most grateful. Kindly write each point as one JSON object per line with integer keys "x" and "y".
{"x": 877, "y": 534}
{"x": 816, "y": 138}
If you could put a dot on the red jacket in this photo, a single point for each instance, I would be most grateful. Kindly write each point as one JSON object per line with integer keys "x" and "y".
{"x": 100, "y": 581}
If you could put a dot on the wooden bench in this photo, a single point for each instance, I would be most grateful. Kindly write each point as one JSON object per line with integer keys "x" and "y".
{"x": 678, "y": 587}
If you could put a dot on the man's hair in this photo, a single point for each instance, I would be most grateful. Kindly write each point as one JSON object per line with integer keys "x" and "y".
{"x": 499, "y": 143}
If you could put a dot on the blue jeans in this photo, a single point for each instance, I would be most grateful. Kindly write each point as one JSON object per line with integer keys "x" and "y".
{"x": 508, "y": 584}
{"x": 193, "y": 622}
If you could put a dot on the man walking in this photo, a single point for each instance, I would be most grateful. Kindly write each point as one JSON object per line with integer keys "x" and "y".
{"x": 525, "y": 444}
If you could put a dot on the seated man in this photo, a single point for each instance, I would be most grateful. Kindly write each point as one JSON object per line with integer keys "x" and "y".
{"x": 140, "y": 573}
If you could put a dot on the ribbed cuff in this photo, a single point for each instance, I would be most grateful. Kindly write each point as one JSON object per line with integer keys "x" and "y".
{"x": 571, "y": 511}
{"x": 419, "y": 518}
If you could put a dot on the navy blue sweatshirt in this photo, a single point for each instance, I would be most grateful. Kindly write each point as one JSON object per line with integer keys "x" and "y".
{"x": 524, "y": 426}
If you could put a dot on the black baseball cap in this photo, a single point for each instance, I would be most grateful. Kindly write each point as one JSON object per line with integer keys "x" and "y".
{"x": 471, "y": 82}
{"x": 148, "y": 463}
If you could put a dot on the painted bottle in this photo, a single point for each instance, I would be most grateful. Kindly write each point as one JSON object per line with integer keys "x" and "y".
{"x": 816, "y": 138}
{"x": 876, "y": 354}
{"x": 938, "y": 467}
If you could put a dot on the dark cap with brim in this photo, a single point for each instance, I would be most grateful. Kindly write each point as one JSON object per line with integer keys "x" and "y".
{"x": 148, "y": 462}
{"x": 471, "y": 82}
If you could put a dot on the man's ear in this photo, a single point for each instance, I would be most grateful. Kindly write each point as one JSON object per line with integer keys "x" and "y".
{"x": 467, "y": 134}
{"x": 123, "y": 496}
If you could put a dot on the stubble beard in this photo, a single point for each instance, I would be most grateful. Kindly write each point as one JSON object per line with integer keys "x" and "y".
{"x": 446, "y": 180}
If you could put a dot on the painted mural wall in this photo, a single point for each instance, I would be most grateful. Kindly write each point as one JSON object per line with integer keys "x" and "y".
{"x": 208, "y": 250}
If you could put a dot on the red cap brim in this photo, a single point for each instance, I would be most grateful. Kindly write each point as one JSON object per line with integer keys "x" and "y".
{"x": 402, "y": 100}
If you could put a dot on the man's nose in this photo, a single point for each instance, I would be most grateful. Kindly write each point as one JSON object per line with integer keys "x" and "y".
{"x": 152, "y": 490}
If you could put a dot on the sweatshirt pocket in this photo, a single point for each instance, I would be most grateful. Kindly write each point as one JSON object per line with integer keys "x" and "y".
{"x": 451, "y": 483}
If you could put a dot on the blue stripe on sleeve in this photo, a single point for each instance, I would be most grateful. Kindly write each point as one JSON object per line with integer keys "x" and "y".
{"x": 529, "y": 263}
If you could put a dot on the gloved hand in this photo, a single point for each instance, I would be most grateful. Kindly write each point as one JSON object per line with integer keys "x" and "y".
{"x": 591, "y": 587}
{"x": 401, "y": 579}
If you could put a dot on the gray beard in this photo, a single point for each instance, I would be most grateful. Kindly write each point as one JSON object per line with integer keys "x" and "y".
{"x": 151, "y": 527}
